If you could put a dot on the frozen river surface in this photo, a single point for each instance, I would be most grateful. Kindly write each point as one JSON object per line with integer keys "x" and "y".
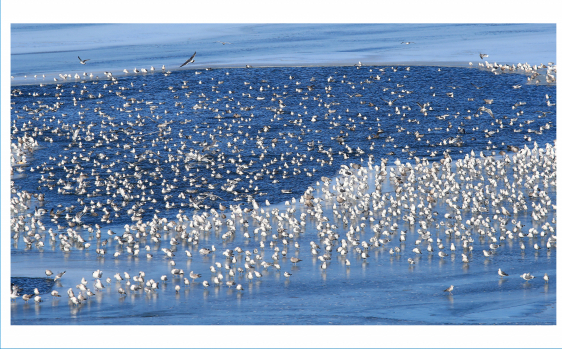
{"x": 274, "y": 135}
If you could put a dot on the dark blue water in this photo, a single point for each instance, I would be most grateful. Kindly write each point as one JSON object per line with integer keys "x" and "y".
{"x": 456, "y": 125}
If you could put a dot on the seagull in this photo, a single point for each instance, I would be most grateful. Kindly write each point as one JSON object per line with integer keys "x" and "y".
{"x": 502, "y": 273}
{"x": 59, "y": 275}
{"x": 295, "y": 260}
{"x": 14, "y": 295}
{"x": 98, "y": 285}
{"x": 82, "y": 61}
{"x": 223, "y": 42}
{"x": 389, "y": 102}
{"x": 407, "y": 42}
{"x": 75, "y": 300}
{"x": 527, "y": 276}
{"x": 449, "y": 289}
{"x": 194, "y": 276}
{"x": 545, "y": 277}
{"x": 482, "y": 55}
{"x": 287, "y": 274}
{"x": 55, "y": 293}
{"x": 477, "y": 87}
{"x": 48, "y": 272}
{"x": 190, "y": 60}
{"x": 484, "y": 109}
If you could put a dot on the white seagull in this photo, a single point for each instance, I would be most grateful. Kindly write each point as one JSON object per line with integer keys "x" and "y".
{"x": 502, "y": 273}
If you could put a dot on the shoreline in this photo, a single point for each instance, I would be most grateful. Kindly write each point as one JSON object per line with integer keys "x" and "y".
{"x": 100, "y": 76}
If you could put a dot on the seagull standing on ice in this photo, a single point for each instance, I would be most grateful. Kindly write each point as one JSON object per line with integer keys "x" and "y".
{"x": 59, "y": 275}
{"x": 502, "y": 273}
{"x": 449, "y": 289}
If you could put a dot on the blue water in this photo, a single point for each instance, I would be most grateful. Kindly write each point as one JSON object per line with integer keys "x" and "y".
{"x": 383, "y": 289}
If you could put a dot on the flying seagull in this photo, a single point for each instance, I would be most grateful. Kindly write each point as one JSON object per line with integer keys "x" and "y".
{"x": 408, "y": 42}
{"x": 223, "y": 42}
{"x": 482, "y": 55}
{"x": 190, "y": 60}
{"x": 82, "y": 61}
{"x": 484, "y": 109}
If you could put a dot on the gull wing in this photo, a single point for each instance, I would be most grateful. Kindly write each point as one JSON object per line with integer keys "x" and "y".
{"x": 189, "y": 60}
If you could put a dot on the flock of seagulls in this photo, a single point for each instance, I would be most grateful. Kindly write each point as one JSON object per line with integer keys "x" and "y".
{"x": 535, "y": 72}
{"x": 349, "y": 203}
{"x": 474, "y": 206}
